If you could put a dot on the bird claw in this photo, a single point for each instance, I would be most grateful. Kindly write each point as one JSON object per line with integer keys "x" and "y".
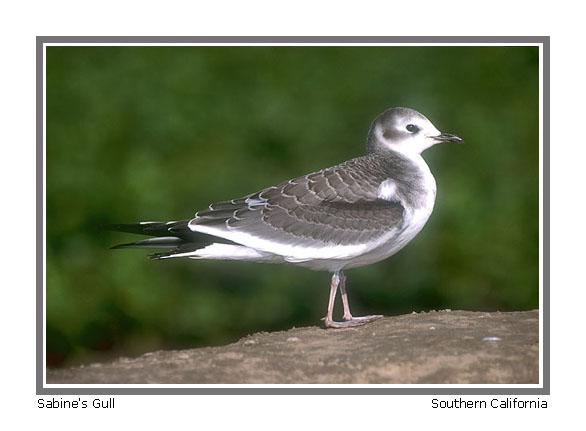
{"x": 351, "y": 322}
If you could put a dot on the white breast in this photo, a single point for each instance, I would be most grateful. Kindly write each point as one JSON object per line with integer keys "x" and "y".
{"x": 414, "y": 218}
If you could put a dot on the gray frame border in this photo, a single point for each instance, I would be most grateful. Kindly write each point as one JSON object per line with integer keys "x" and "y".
{"x": 469, "y": 40}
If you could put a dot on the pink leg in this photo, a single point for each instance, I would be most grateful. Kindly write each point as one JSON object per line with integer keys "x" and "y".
{"x": 339, "y": 279}
{"x": 347, "y": 314}
{"x": 329, "y": 320}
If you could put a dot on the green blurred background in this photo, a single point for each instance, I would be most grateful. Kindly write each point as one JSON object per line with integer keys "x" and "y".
{"x": 156, "y": 133}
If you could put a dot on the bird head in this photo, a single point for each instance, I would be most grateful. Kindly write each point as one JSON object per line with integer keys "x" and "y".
{"x": 406, "y": 131}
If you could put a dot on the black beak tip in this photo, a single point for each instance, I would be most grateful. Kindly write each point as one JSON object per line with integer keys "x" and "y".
{"x": 448, "y": 137}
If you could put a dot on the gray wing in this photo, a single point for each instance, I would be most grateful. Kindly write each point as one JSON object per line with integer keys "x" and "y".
{"x": 335, "y": 206}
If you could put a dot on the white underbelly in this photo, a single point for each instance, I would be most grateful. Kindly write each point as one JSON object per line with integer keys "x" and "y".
{"x": 413, "y": 221}
{"x": 397, "y": 241}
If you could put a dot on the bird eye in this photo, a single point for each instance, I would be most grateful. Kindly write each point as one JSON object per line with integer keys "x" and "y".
{"x": 412, "y": 128}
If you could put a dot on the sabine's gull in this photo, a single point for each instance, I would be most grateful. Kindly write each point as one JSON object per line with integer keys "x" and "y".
{"x": 353, "y": 214}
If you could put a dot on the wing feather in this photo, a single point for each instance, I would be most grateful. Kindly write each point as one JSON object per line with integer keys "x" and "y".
{"x": 338, "y": 206}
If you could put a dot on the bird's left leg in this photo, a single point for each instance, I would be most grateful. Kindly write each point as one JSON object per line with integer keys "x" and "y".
{"x": 329, "y": 319}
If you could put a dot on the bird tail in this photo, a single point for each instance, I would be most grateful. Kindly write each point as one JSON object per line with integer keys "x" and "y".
{"x": 173, "y": 235}
{"x": 153, "y": 228}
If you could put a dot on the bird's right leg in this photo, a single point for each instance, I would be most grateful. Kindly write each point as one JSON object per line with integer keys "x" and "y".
{"x": 351, "y": 320}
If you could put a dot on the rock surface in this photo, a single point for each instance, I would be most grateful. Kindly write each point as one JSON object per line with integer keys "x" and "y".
{"x": 457, "y": 347}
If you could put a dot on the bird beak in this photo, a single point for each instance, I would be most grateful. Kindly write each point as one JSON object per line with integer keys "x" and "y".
{"x": 448, "y": 137}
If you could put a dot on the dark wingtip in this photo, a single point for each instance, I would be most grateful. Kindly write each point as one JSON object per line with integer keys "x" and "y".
{"x": 158, "y": 256}
{"x": 119, "y": 246}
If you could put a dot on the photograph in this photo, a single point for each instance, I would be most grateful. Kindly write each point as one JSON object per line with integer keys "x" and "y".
{"x": 329, "y": 213}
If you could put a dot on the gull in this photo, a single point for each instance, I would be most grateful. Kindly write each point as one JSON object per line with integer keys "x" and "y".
{"x": 353, "y": 214}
